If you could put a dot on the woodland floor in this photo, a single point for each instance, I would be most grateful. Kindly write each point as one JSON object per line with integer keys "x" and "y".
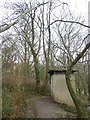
{"x": 45, "y": 107}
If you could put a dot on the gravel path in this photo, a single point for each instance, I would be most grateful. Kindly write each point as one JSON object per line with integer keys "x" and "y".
{"x": 45, "y": 107}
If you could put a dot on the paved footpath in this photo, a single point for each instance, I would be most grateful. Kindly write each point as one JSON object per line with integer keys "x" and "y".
{"x": 45, "y": 107}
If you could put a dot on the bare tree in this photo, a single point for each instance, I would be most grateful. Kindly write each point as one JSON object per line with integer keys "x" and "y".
{"x": 32, "y": 38}
{"x": 32, "y": 28}
{"x": 82, "y": 113}
{"x": 46, "y": 51}
{"x": 81, "y": 110}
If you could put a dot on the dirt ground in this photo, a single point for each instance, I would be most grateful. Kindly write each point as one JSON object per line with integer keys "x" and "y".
{"x": 45, "y": 107}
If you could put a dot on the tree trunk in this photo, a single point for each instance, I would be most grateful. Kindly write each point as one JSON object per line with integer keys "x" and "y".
{"x": 36, "y": 66}
{"x": 47, "y": 56}
{"x": 89, "y": 74}
{"x": 43, "y": 88}
{"x": 81, "y": 110}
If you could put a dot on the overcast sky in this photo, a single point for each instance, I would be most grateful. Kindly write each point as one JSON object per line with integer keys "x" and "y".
{"x": 79, "y": 6}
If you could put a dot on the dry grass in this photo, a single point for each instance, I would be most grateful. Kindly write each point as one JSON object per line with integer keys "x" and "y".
{"x": 14, "y": 103}
{"x": 14, "y": 97}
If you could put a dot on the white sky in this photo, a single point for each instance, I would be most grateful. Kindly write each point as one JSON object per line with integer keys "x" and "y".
{"x": 80, "y": 6}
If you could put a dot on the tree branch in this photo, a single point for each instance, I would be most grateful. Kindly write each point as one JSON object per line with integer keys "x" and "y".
{"x": 69, "y": 21}
{"x": 7, "y": 26}
{"x": 81, "y": 54}
{"x": 59, "y": 61}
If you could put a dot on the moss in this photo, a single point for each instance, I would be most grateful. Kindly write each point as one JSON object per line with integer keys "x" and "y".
{"x": 68, "y": 108}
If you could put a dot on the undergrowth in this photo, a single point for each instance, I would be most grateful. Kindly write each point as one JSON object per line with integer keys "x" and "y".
{"x": 14, "y": 102}
{"x": 68, "y": 108}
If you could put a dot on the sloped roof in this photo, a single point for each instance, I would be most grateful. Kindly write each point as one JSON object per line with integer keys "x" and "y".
{"x": 62, "y": 71}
